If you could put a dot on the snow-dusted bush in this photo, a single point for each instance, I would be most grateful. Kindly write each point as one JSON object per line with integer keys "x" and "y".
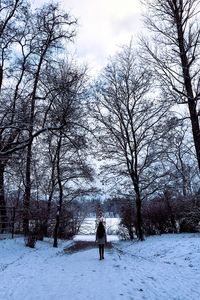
{"x": 191, "y": 222}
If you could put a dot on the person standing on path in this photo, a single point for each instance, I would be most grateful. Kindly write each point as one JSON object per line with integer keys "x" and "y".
{"x": 101, "y": 239}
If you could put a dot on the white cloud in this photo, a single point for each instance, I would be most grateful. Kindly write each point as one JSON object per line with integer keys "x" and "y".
{"x": 103, "y": 26}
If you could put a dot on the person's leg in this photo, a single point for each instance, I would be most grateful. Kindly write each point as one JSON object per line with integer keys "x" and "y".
{"x": 99, "y": 251}
{"x": 102, "y": 251}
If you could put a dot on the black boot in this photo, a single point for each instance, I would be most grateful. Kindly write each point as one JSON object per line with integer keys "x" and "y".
{"x": 102, "y": 252}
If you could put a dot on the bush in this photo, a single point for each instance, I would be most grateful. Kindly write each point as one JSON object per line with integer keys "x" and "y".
{"x": 127, "y": 226}
{"x": 30, "y": 239}
{"x": 190, "y": 223}
{"x": 40, "y": 231}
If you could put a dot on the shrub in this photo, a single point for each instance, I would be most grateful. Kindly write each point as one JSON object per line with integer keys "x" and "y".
{"x": 190, "y": 223}
{"x": 127, "y": 224}
{"x": 30, "y": 239}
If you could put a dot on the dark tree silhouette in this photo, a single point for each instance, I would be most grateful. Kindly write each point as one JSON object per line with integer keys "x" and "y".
{"x": 175, "y": 53}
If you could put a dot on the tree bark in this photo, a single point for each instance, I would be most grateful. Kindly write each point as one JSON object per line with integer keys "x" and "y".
{"x": 170, "y": 209}
{"x": 55, "y": 242}
{"x": 139, "y": 218}
{"x": 188, "y": 87}
{"x": 140, "y": 233}
{"x": 2, "y": 198}
{"x": 27, "y": 195}
{"x": 48, "y": 214}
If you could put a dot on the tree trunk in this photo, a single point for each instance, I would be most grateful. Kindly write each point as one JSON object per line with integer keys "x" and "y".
{"x": 167, "y": 195}
{"x": 195, "y": 127}
{"x": 47, "y": 214}
{"x": 1, "y": 76}
{"x": 60, "y": 192}
{"x": 55, "y": 242}
{"x": 27, "y": 195}
{"x": 2, "y": 199}
{"x": 139, "y": 218}
{"x": 188, "y": 87}
{"x": 140, "y": 233}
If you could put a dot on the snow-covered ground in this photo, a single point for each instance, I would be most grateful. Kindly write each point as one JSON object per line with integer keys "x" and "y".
{"x": 161, "y": 267}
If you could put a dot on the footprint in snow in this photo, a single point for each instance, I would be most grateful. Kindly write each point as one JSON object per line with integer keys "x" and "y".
{"x": 152, "y": 278}
{"x": 125, "y": 284}
{"x": 191, "y": 266}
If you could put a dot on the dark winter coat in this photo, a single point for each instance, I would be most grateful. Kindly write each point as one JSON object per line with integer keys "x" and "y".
{"x": 102, "y": 240}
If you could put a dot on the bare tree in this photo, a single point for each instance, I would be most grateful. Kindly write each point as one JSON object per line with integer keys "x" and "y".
{"x": 31, "y": 43}
{"x": 178, "y": 162}
{"x": 52, "y": 27}
{"x": 65, "y": 154}
{"x": 9, "y": 13}
{"x": 130, "y": 122}
{"x": 175, "y": 53}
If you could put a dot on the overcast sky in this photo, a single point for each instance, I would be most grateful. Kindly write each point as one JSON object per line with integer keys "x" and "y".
{"x": 104, "y": 25}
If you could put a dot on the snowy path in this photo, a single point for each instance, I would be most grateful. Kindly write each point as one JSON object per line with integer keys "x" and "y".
{"x": 166, "y": 267}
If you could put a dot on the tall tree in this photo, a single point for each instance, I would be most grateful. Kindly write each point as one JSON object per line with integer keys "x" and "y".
{"x": 65, "y": 156}
{"x": 31, "y": 42}
{"x": 175, "y": 53}
{"x": 51, "y": 29}
{"x": 9, "y": 13}
{"x": 129, "y": 122}
{"x": 178, "y": 162}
